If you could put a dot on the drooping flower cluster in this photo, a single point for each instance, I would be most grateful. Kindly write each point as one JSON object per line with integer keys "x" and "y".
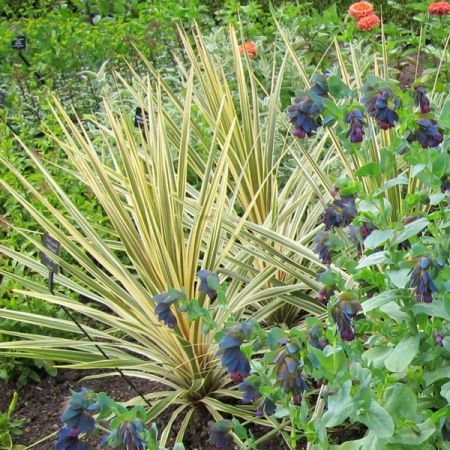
{"x": 421, "y": 100}
{"x": 356, "y": 120}
{"x": 421, "y": 280}
{"x": 77, "y": 418}
{"x": 289, "y": 372}
{"x": 232, "y": 357}
{"x": 129, "y": 432}
{"x": 248, "y": 48}
{"x": 316, "y": 337}
{"x": 344, "y": 311}
{"x": 250, "y": 388}
{"x": 324, "y": 294}
{"x": 219, "y": 434}
{"x": 358, "y": 234}
{"x": 322, "y": 247}
{"x": 341, "y": 212}
{"x": 304, "y": 115}
{"x": 427, "y": 134}
{"x": 68, "y": 439}
{"x": 209, "y": 282}
{"x": 439, "y": 8}
{"x": 377, "y": 102}
{"x": 363, "y": 12}
{"x": 163, "y": 308}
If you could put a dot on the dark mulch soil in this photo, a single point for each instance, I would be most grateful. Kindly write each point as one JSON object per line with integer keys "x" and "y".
{"x": 41, "y": 406}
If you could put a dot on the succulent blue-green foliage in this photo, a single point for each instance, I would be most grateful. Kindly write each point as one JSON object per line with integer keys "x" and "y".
{"x": 378, "y": 102}
{"x": 422, "y": 281}
{"x": 78, "y": 414}
{"x": 219, "y": 434}
{"x": 209, "y": 282}
{"x": 68, "y": 439}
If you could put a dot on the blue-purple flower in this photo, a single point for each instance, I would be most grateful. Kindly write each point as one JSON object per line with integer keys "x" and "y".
{"x": 289, "y": 372}
{"x": 304, "y": 115}
{"x": 356, "y": 120}
{"x": 316, "y": 337}
{"x": 344, "y": 311}
{"x": 421, "y": 280}
{"x": 209, "y": 282}
{"x": 68, "y": 440}
{"x": 341, "y": 212}
{"x": 322, "y": 247}
{"x": 421, "y": 100}
{"x": 324, "y": 294}
{"x": 219, "y": 434}
{"x": 377, "y": 105}
{"x": 235, "y": 360}
{"x": 77, "y": 414}
{"x": 427, "y": 133}
{"x": 163, "y": 308}
{"x": 130, "y": 431}
{"x": 320, "y": 86}
{"x": 250, "y": 388}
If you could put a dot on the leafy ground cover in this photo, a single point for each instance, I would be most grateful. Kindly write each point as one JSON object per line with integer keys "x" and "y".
{"x": 259, "y": 227}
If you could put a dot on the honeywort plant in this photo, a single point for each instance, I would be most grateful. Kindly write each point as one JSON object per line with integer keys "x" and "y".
{"x": 112, "y": 425}
{"x": 381, "y": 359}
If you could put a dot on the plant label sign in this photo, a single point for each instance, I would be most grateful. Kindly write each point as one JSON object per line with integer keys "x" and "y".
{"x": 20, "y": 43}
{"x": 141, "y": 118}
{"x": 50, "y": 243}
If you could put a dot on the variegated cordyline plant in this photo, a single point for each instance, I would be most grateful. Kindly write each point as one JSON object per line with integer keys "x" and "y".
{"x": 162, "y": 230}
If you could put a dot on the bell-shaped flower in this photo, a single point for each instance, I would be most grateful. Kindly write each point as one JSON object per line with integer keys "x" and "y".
{"x": 219, "y": 434}
{"x": 235, "y": 360}
{"x": 68, "y": 440}
{"x": 421, "y": 100}
{"x": 209, "y": 282}
{"x": 341, "y": 212}
{"x": 427, "y": 133}
{"x": 356, "y": 120}
{"x": 77, "y": 414}
{"x": 344, "y": 311}
{"x": 289, "y": 373}
{"x": 377, "y": 101}
{"x": 163, "y": 308}
{"x": 421, "y": 280}
{"x": 322, "y": 247}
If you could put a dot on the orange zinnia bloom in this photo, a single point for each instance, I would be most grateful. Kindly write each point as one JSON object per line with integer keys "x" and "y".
{"x": 368, "y": 22}
{"x": 360, "y": 9}
{"x": 439, "y": 8}
{"x": 248, "y": 47}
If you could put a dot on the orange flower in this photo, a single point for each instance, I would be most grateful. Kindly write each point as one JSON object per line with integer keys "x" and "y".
{"x": 248, "y": 47}
{"x": 368, "y": 22}
{"x": 359, "y": 10}
{"x": 439, "y": 8}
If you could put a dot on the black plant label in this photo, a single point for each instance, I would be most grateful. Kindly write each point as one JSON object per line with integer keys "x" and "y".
{"x": 54, "y": 246}
{"x": 20, "y": 43}
{"x": 141, "y": 118}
